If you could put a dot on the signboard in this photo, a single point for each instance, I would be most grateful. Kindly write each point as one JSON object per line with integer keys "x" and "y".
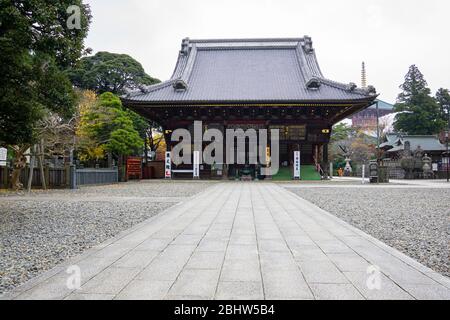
{"x": 434, "y": 166}
{"x": 3, "y": 154}
{"x": 168, "y": 166}
{"x": 134, "y": 167}
{"x": 196, "y": 167}
{"x": 297, "y": 165}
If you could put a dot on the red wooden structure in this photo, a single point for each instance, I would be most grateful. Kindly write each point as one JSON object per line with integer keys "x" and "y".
{"x": 134, "y": 168}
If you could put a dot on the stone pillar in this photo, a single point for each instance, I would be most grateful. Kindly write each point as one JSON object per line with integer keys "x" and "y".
{"x": 73, "y": 177}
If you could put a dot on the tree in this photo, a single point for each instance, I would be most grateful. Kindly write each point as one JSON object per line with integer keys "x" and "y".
{"x": 105, "y": 126}
{"x": 443, "y": 99}
{"x": 419, "y": 112}
{"x": 36, "y": 44}
{"x": 350, "y": 142}
{"x": 109, "y": 72}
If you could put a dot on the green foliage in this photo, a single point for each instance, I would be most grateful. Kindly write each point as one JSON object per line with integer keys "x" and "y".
{"x": 35, "y": 45}
{"x": 341, "y": 131}
{"x": 443, "y": 99}
{"x": 109, "y": 72}
{"x": 420, "y": 113}
{"x": 106, "y": 126}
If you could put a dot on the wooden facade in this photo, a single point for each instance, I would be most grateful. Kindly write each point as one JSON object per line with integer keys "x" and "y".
{"x": 287, "y": 93}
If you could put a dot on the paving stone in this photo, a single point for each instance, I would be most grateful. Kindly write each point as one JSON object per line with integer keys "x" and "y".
{"x": 136, "y": 259}
{"x": 89, "y": 296}
{"x": 240, "y": 270}
{"x": 272, "y": 245}
{"x": 110, "y": 281}
{"x": 321, "y": 272}
{"x": 153, "y": 244}
{"x": 428, "y": 292}
{"x": 333, "y": 246}
{"x": 253, "y": 241}
{"x": 388, "y": 289}
{"x": 334, "y": 291}
{"x": 145, "y": 290}
{"x": 239, "y": 290}
{"x": 206, "y": 260}
{"x": 54, "y": 288}
{"x": 348, "y": 261}
{"x": 212, "y": 245}
{"x": 196, "y": 282}
{"x": 308, "y": 253}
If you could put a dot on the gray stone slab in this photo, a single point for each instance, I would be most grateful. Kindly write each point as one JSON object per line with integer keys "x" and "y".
{"x": 272, "y": 245}
{"x": 136, "y": 259}
{"x": 388, "y": 290}
{"x": 208, "y": 244}
{"x": 333, "y": 246}
{"x": 348, "y": 261}
{"x": 241, "y": 270}
{"x": 89, "y": 296}
{"x": 162, "y": 269}
{"x": 321, "y": 272}
{"x": 54, "y": 288}
{"x": 110, "y": 281}
{"x": 308, "y": 253}
{"x": 428, "y": 292}
{"x": 242, "y": 241}
{"x": 153, "y": 244}
{"x": 206, "y": 260}
{"x": 239, "y": 290}
{"x": 145, "y": 290}
{"x": 196, "y": 282}
{"x": 335, "y": 291}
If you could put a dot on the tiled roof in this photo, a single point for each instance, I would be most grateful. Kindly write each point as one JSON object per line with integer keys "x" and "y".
{"x": 248, "y": 70}
{"x": 382, "y": 105}
{"x": 426, "y": 143}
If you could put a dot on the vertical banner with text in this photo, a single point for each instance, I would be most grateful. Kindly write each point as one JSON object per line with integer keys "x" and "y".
{"x": 196, "y": 168}
{"x": 296, "y": 165}
{"x": 3, "y": 156}
{"x": 168, "y": 166}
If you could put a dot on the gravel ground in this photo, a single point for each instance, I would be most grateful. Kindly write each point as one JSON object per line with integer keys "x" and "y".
{"x": 45, "y": 228}
{"x": 415, "y": 221}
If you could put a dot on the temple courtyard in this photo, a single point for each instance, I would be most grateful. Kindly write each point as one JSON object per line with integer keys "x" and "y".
{"x": 228, "y": 240}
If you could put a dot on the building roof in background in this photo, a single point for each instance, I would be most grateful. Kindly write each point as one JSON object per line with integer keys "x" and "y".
{"x": 248, "y": 70}
{"x": 382, "y": 105}
{"x": 396, "y": 142}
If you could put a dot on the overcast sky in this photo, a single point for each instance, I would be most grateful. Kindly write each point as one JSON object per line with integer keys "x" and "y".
{"x": 389, "y": 35}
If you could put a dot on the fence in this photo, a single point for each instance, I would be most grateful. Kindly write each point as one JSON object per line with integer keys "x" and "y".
{"x": 66, "y": 177}
{"x": 96, "y": 176}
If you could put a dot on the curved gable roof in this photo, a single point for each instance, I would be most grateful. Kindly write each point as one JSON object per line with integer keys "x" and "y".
{"x": 252, "y": 70}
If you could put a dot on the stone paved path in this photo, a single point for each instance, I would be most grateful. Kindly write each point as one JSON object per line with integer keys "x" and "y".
{"x": 241, "y": 241}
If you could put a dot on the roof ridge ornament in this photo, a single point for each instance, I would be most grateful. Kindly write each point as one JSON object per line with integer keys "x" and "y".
{"x": 307, "y": 44}
{"x": 179, "y": 85}
{"x": 352, "y": 86}
{"x": 313, "y": 83}
{"x": 184, "y": 46}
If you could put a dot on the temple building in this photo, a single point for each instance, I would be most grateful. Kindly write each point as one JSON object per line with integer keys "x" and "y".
{"x": 367, "y": 118}
{"x": 253, "y": 83}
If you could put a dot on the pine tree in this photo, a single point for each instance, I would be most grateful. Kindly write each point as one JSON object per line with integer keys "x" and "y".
{"x": 419, "y": 112}
{"x": 443, "y": 99}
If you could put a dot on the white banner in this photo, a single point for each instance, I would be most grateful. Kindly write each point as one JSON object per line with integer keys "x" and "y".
{"x": 296, "y": 164}
{"x": 168, "y": 166}
{"x": 196, "y": 168}
{"x": 3, "y": 154}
